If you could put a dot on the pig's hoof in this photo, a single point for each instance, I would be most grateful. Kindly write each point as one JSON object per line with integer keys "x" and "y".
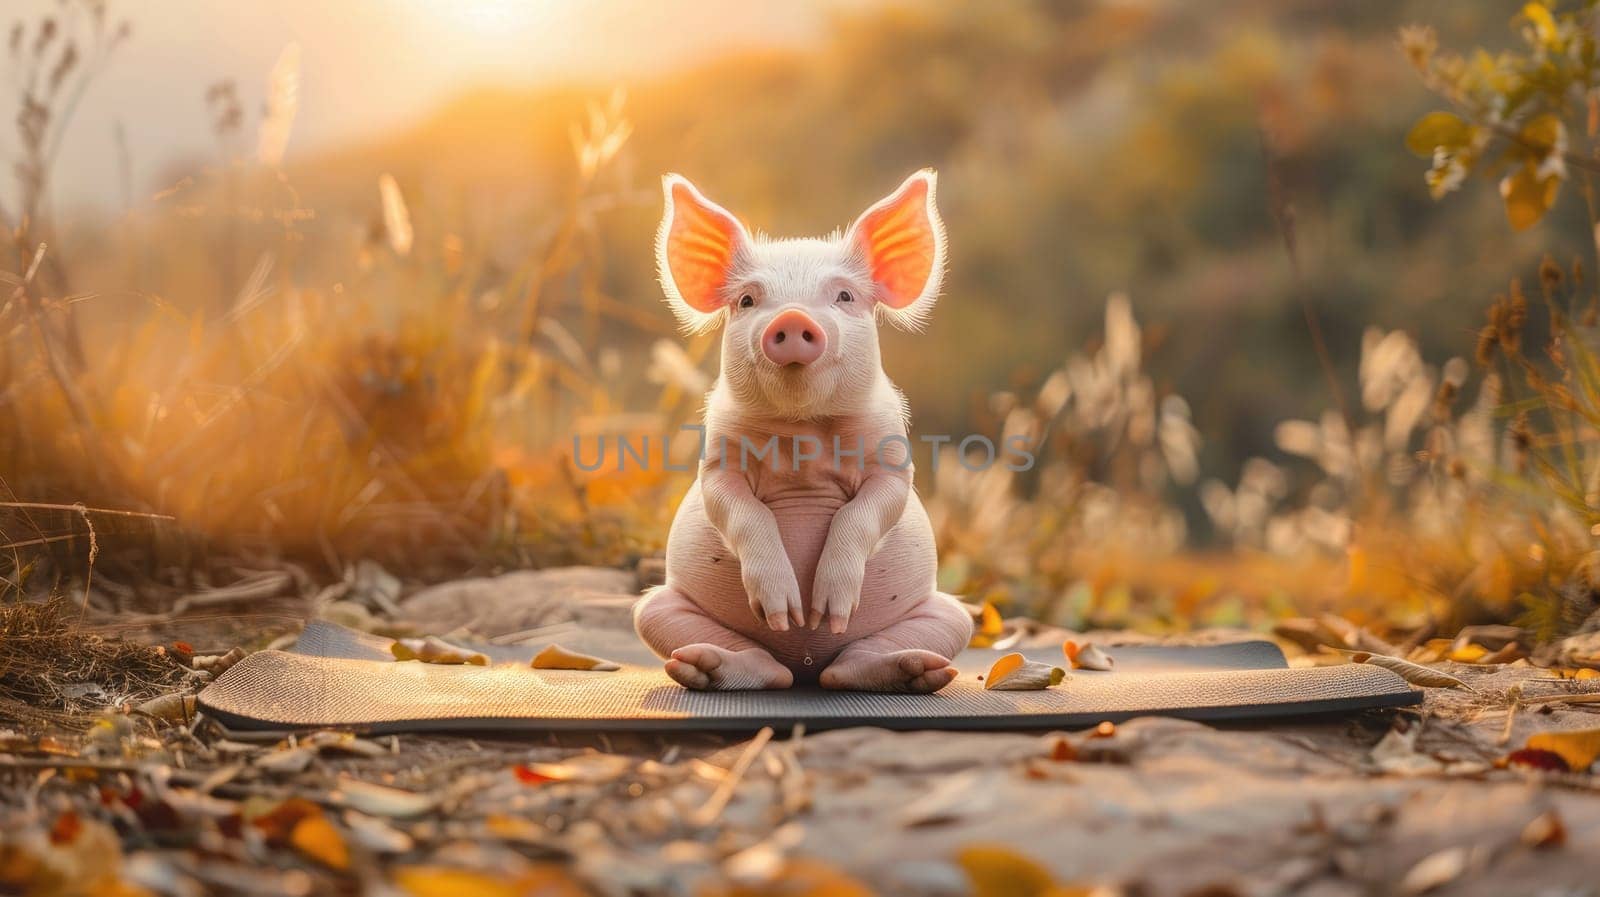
{"x": 917, "y": 672}
{"x": 710, "y": 668}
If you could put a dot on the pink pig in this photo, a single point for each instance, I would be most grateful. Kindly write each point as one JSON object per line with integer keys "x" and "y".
{"x": 821, "y": 524}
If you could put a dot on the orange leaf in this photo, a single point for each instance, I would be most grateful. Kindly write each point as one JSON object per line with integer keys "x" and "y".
{"x": 316, "y": 837}
{"x": 998, "y": 871}
{"x": 66, "y": 828}
{"x": 1578, "y": 747}
{"x": 1087, "y": 656}
{"x": 543, "y": 880}
{"x": 990, "y": 626}
{"x": 528, "y": 776}
{"x": 1546, "y": 761}
{"x": 442, "y": 881}
{"x": 1002, "y": 668}
{"x": 555, "y": 657}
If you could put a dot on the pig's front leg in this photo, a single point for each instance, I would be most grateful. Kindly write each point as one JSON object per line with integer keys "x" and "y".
{"x": 856, "y": 530}
{"x": 752, "y": 532}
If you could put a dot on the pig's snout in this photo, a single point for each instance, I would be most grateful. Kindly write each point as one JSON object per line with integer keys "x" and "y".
{"x": 793, "y": 337}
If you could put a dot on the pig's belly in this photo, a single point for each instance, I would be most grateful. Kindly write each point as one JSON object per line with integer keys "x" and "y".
{"x": 899, "y": 576}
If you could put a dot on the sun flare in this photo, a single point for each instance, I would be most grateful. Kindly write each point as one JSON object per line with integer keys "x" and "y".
{"x": 482, "y": 18}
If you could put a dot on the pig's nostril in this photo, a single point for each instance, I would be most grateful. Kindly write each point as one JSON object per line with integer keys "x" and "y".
{"x": 806, "y": 335}
{"x": 780, "y": 337}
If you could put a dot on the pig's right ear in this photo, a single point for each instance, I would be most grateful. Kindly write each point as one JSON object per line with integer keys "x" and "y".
{"x": 697, "y": 248}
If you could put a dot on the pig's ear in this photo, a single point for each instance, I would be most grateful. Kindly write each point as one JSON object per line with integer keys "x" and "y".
{"x": 697, "y": 247}
{"x": 902, "y": 241}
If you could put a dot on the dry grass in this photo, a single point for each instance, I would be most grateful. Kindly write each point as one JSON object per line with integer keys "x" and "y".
{"x": 53, "y": 673}
{"x": 385, "y": 414}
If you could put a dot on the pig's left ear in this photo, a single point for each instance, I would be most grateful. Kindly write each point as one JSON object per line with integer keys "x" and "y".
{"x": 901, "y": 240}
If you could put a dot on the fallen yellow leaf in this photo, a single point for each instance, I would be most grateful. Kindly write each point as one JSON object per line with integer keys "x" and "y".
{"x": 998, "y": 871}
{"x": 556, "y": 657}
{"x": 1003, "y": 667}
{"x": 1013, "y": 672}
{"x": 435, "y": 650}
{"x": 1471, "y": 652}
{"x": 1579, "y": 747}
{"x": 1087, "y": 656}
{"x": 544, "y": 880}
{"x": 316, "y": 837}
{"x": 990, "y": 627}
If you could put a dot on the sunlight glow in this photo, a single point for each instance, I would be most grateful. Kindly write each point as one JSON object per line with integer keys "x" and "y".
{"x": 483, "y": 18}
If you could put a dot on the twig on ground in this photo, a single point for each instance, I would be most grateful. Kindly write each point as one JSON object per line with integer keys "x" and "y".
{"x": 718, "y": 801}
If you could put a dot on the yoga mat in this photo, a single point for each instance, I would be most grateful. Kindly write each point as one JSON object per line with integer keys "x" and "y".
{"x": 342, "y": 678}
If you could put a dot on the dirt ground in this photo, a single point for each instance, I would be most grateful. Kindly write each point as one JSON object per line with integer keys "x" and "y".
{"x": 1405, "y": 802}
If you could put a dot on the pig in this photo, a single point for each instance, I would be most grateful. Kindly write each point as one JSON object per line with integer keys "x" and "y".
{"x": 807, "y": 557}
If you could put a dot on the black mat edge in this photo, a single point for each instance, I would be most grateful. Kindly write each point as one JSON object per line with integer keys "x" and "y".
{"x": 1015, "y": 722}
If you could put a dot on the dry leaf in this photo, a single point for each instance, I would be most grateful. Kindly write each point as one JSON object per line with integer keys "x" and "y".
{"x": 1544, "y": 761}
{"x": 989, "y": 629}
{"x": 1435, "y": 871}
{"x": 344, "y": 743}
{"x": 1545, "y": 830}
{"x": 1013, "y": 672}
{"x": 301, "y": 824}
{"x": 556, "y": 657}
{"x": 1086, "y": 656}
{"x": 381, "y": 800}
{"x": 1468, "y": 653}
{"x": 1507, "y": 653}
{"x": 1431, "y": 651}
{"x": 1309, "y": 634}
{"x": 316, "y": 837}
{"x": 435, "y": 650}
{"x": 1577, "y": 747}
{"x": 217, "y": 664}
{"x": 1415, "y": 673}
{"x": 443, "y": 881}
{"x": 998, "y": 871}
{"x": 544, "y": 879}
{"x": 376, "y": 835}
{"x": 176, "y": 707}
{"x": 290, "y": 760}
{"x": 590, "y": 768}
{"x": 1575, "y": 673}
{"x": 1397, "y": 753}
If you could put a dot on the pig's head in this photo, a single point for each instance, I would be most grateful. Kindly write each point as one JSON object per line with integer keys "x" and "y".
{"x": 799, "y": 317}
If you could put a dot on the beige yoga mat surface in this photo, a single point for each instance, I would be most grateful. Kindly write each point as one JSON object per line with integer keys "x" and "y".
{"x": 342, "y": 678}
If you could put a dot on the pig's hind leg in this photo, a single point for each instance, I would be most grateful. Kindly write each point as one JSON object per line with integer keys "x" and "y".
{"x": 911, "y": 654}
{"x": 702, "y": 653}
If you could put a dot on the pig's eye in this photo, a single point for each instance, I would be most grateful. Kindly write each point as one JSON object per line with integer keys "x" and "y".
{"x": 746, "y": 300}
{"x": 844, "y": 296}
